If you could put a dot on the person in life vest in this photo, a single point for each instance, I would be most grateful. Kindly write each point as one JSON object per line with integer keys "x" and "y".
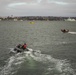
{"x": 19, "y": 46}
{"x": 24, "y": 46}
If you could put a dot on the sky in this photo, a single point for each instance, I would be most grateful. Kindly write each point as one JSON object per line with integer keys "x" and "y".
{"x": 38, "y": 8}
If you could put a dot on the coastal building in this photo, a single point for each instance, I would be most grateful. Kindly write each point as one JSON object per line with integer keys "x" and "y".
{"x": 69, "y": 19}
{"x": 15, "y": 19}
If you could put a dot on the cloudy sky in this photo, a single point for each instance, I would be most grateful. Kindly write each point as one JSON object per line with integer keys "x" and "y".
{"x": 38, "y": 8}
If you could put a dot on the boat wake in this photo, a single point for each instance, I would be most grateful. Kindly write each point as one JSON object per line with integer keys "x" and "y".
{"x": 72, "y": 32}
{"x": 53, "y": 66}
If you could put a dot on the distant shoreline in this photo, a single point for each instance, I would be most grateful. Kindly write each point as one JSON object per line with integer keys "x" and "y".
{"x": 40, "y": 18}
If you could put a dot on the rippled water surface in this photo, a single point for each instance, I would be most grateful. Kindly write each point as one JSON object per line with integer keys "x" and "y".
{"x": 51, "y": 52}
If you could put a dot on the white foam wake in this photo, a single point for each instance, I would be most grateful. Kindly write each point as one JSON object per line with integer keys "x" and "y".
{"x": 72, "y": 32}
{"x": 63, "y": 67}
{"x": 13, "y": 63}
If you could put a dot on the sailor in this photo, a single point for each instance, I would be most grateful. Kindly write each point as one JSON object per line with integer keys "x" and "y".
{"x": 19, "y": 46}
{"x": 64, "y": 30}
{"x": 24, "y": 46}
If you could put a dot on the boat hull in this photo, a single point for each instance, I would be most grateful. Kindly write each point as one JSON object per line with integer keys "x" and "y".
{"x": 64, "y": 31}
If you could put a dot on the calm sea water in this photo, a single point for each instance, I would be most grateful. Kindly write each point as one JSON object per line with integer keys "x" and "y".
{"x": 54, "y": 51}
